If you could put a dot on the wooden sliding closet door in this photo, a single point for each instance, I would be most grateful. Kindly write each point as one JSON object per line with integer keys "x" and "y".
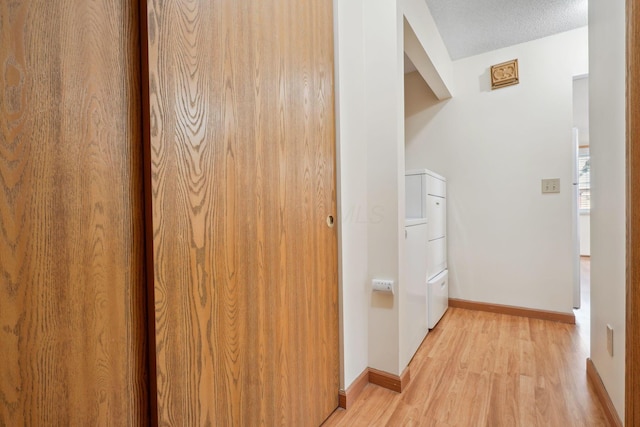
{"x": 242, "y": 155}
{"x": 72, "y": 292}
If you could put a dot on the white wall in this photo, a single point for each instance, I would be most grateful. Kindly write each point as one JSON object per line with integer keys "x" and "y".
{"x": 607, "y": 140}
{"x": 352, "y": 189}
{"x": 508, "y": 243}
{"x": 370, "y": 119}
{"x": 384, "y": 59}
{"x": 370, "y": 137}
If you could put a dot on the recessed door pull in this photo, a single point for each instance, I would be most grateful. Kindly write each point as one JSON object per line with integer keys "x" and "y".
{"x": 330, "y": 221}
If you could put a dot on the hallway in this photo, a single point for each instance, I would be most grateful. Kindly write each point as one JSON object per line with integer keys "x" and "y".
{"x": 484, "y": 369}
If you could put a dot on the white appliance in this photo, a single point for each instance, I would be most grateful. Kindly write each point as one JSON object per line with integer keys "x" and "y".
{"x": 415, "y": 273}
{"x": 426, "y": 198}
{"x": 437, "y": 297}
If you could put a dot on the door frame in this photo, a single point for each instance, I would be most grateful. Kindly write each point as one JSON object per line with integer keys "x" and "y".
{"x": 575, "y": 212}
{"x": 632, "y": 356}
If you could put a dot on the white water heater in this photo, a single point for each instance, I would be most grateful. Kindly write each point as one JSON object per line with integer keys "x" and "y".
{"x": 426, "y": 197}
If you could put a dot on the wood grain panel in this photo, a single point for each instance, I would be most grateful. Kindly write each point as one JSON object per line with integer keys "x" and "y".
{"x": 632, "y": 374}
{"x": 242, "y": 151}
{"x": 72, "y": 303}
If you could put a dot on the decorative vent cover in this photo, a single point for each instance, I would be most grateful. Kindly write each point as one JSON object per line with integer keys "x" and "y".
{"x": 504, "y": 74}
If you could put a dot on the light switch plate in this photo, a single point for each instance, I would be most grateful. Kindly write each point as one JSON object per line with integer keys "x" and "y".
{"x": 551, "y": 185}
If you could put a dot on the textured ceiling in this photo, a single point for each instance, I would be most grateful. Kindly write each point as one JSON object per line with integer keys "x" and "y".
{"x": 470, "y": 27}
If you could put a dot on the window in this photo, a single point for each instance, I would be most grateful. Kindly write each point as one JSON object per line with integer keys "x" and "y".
{"x": 584, "y": 181}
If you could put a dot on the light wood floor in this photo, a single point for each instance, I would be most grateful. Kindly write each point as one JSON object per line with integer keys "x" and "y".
{"x": 485, "y": 369}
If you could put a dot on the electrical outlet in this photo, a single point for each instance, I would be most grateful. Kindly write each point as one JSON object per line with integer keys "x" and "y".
{"x": 551, "y": 185}
{"x": 382, "y": 285}
{"x": 610, "y": 340}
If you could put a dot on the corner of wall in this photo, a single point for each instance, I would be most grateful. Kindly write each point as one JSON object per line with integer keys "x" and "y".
{"x": 353, "y": 207}
{"x": 607, "y": 128}
{"x": 426, "y": 49}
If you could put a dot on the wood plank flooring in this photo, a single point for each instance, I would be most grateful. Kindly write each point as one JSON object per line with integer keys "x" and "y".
{"x": 484, "y": 369}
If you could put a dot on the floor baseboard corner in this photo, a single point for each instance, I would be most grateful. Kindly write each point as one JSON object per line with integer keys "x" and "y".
{"x": 555, "y": 316}
{"x": 351, "y": 394}
{"x": 390, "y": 381}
